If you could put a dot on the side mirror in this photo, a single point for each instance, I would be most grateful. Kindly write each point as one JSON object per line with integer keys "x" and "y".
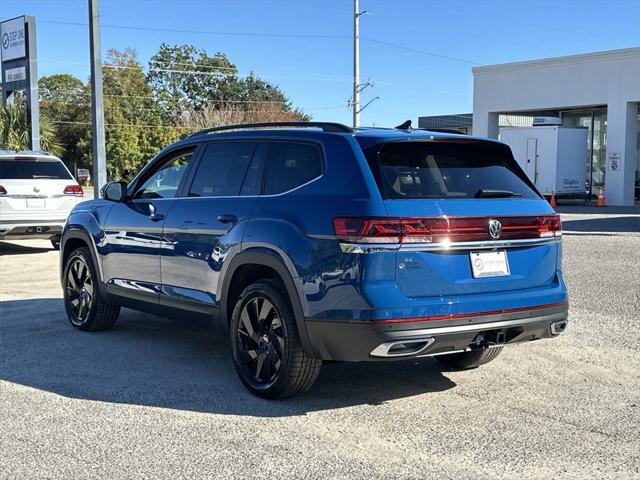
{"x": 114, "y": 191}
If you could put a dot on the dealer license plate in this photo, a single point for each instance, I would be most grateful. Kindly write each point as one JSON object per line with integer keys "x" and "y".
{"x": 489, "y": 264}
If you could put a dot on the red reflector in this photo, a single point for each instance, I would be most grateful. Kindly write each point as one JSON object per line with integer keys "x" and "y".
{"x": 73, "y": 190}
{"x": 2, "y": 190}
{"x": 452, "y": 316}
{"x": 446, "y": 229}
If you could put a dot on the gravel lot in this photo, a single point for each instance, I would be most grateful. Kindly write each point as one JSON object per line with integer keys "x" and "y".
{"x": 157, "y": 399}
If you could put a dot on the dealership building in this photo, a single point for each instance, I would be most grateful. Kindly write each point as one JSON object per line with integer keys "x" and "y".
{"x": 598, "y": 91}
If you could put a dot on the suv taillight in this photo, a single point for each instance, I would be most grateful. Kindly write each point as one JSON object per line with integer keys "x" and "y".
{"x": 550, "y": 226}
{"x": 2, "y": 190}
{"x": 444, "y": 229}
{"x": 73, "y": 190}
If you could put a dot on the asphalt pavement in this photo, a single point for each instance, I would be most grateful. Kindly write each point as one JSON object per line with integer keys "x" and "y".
{"x": 153, "y": 398}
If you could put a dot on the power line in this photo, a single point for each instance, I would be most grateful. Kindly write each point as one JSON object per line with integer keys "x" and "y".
{"x": 191, "y": 64}
{"x": 267, "y": 35}
{"x": 123, "y": 125}
{"x": 287, "y": 76}
{"x": 404, "y": 85}
{"x": 415, "y": 50}
{"x": 203, "y": 32}
{"x": 214, "y": 101}
{"x": 251, "y": 72}
{"x": 152, "y": 97}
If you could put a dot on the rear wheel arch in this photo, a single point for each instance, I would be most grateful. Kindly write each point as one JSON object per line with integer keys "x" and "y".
{"x": 249, "y": 267}
{"x": 72, "y": 244}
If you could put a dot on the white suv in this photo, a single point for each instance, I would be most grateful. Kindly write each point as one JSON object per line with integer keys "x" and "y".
{"x": 37, "y": 192}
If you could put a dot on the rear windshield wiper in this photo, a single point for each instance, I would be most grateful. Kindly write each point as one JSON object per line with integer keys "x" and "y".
{"x": 489, "y": 193}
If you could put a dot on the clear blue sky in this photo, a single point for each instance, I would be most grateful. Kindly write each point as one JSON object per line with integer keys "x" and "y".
{"x": 305, "y": 47}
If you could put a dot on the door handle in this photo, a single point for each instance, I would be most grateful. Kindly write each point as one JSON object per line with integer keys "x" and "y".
{"x": 227, "y": 218}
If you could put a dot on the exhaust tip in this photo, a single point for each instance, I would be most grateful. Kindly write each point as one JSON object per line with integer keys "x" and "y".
{"x": 558, "y": 327}
{"x": 402, "y": 347}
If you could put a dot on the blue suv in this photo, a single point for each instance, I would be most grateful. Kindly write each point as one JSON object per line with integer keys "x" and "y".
{"x": 311, "y": 242}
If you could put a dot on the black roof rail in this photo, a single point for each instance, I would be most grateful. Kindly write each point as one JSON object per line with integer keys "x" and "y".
{"x": 325, "y": 126}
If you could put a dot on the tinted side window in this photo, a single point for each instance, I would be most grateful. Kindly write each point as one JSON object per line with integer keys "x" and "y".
{"x": 222, "y": 169}
{"x": 291, "y": 165}
{"x": 164, "y": 181}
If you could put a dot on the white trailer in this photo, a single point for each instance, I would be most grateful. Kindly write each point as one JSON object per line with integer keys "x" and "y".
{"x": 554, "y": 158}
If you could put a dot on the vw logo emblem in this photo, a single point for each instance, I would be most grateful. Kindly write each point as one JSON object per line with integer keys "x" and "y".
{"x": 495, "y": 228}
{"x": 36, "y": 189}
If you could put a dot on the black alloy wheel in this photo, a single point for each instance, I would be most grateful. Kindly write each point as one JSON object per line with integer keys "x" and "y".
{"x": 261, "y": 341}
{"x": 87, "y": 308}
{"x": 266, "y": 346}
{"x": 80, "y": 291}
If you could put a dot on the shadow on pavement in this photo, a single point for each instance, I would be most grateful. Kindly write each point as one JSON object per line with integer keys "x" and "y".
{"x": 7, "y": 248}
{"x": 603, "y": 225}
{"x": 148, "y": 360}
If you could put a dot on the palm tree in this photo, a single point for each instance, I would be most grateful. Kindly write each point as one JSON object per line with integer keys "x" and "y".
{"x": 15, "y": 131}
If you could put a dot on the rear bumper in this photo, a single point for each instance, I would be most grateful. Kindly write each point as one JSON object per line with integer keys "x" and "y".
{"x": 26, "y": 229}
{"x": 369, "y": 341}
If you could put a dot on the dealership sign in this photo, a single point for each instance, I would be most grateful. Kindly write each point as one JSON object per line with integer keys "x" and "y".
{"x": 19, "y": 68}
{"x": 15, "y": 74}
{"x": 14, "y": 39}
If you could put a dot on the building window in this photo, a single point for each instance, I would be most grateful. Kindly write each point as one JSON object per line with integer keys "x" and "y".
{"x": 596, "y": 121}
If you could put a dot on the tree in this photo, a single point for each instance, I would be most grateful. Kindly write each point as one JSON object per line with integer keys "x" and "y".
{"x": 263, "y": 99}
{"x": 66, "y": 101}
{"x": 185, "y": 89}
{"x": 186, "y": 80}
{"x": 134, "y": 122}
{"x": 232, "y": 114}
{"x": 15, "y": 131}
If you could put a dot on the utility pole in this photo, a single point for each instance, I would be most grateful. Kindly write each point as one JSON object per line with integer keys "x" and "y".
{"x": 356, "y": 64}
{"x": 99, "y": 173}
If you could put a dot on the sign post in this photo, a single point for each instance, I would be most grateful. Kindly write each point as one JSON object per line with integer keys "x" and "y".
{"x": 20, "y": 68}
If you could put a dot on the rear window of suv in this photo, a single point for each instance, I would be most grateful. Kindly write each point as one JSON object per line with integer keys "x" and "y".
{"x": 445, "y": 169}
{"x": 31, "y": 168}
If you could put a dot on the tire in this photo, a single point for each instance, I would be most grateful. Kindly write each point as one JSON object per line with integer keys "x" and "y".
{"x": 467, "y": 360}
{"x": 266, "y": 347}
{"x": 84, "y": 303}
{"x": 55, "y": 243}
